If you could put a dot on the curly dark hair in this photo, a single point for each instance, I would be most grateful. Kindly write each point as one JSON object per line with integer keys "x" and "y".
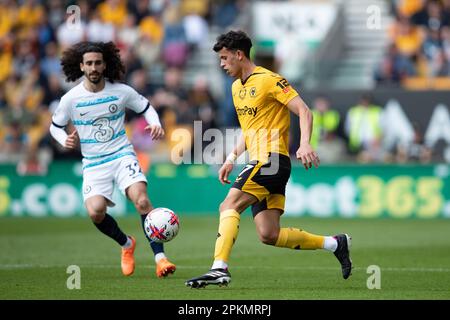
{"x": 234, "y": 40}
{"x": 73, "y": 56}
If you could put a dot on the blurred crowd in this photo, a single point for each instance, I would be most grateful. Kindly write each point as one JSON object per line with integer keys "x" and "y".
{"x": 162, "y": 35}
{"x": 151, "y": 34}
{"x": 361, "y": 135}
{"x": 418, "y": 55}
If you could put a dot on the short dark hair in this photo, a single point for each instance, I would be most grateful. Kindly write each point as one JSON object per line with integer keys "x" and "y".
{"x": 73, "y": 56}
{"x": 234, "y": 40}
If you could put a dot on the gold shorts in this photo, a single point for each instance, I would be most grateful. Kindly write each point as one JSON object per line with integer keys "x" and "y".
{"x": 266, "y": 181}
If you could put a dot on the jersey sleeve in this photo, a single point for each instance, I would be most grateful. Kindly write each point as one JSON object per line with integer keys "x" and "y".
{"x": 281, "y": 90}
{"x": 61, "y": 116}
{"x": 135, "y": 101}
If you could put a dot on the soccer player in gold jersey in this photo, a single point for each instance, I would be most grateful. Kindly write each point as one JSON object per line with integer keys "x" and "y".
{"x": 263, "y": 100}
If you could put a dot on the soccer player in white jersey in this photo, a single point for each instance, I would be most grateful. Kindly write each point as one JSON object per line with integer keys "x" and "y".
{"x": 96, "y": 108}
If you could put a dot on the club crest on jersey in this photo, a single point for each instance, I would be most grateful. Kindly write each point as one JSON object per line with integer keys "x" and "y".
{"x": 253, "y": 92}
{"x": 87, "y": 189}
{"x": 113, "y": 108}
{"x": 242, "y": 93}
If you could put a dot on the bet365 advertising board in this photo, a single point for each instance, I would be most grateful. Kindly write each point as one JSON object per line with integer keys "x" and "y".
{"x": 347, "y": 191}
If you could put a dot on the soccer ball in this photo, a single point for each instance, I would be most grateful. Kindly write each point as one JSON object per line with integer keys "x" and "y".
{"x": 161, "y": 225}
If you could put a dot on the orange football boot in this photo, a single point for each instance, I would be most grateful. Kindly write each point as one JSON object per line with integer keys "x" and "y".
{"x": 164, "y": 267}
{"x": 127, "y": 262}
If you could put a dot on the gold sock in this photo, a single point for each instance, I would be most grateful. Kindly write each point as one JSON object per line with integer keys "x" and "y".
{"x": 228, "y": 232}
{"x": 299, "y": 239}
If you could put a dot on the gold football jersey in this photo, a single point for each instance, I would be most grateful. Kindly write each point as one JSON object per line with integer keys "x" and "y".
{"x": 260, "y": 104}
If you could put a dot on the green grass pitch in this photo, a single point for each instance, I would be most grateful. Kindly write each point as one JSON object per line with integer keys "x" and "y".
{"x": 413, "y": 256}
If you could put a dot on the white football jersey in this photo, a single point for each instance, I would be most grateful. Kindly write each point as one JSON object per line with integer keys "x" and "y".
{"x": 99, "y": 119}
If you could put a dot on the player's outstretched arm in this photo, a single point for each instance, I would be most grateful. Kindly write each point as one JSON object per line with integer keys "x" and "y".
{"x": 305, "y": 152}
{"x": 154, "y": 125}
{"x": 70, "y": 141}
{"x": 156, "y": 131}
{"x": 227, "y": 166}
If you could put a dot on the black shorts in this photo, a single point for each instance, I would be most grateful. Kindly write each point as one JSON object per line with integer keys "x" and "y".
{"x": 266, "y": 181}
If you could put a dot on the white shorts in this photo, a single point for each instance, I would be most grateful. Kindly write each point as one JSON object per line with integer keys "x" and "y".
{"x": 101, "y": 179}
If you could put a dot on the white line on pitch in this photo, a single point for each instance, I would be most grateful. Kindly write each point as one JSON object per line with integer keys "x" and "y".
{"x": 106, "y": 266}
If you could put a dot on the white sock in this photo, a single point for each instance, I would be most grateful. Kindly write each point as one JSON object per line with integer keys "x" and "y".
{"x": 330, "y": 244}
{"x": 128, "y": 243}
{"x": 159, "y": 256}
{"x": 219, "y": 264}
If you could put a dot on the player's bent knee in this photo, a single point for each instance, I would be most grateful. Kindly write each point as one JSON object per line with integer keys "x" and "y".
{"x": 233, "y": 204}
{"x": 96, "y": 210}
{"x": 97, "y": 216}
{"x": 224, "y": 206}
{"x": 268, "y": 237}
{"x": 228, "y": 204}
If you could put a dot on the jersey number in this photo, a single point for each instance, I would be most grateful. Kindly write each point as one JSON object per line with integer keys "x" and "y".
{"x": 283, "y": 83}
{"x": 247, "y": 167}
{"x": 133, "y": 168}
{"x": 105, "y": 132}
